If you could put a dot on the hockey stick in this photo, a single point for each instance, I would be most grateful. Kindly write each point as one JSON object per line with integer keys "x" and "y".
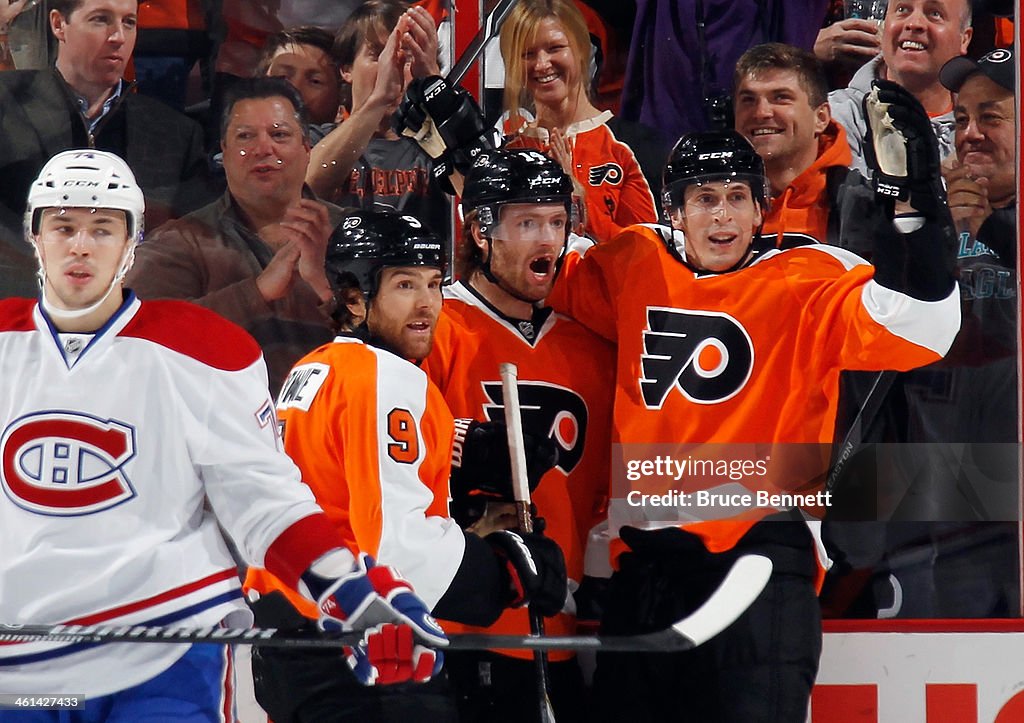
{"x": 491, "y": 26}
{"x": 853, "y": 441}
{"x": 741, "y": 586}
{"x": 521, "y": 490}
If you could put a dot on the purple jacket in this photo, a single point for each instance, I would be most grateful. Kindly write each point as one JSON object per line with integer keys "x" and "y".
{"x": 664, "y": 86}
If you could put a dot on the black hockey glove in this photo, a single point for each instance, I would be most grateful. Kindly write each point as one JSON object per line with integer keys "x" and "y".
{"x": 481, "y": 467}
{"x": 536, "y": 570}
{"x": 902, "y": 151}
{"x": 446, "y": 123}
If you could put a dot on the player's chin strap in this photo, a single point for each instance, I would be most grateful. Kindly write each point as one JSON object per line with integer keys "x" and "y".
{"x": 56, "y": 313}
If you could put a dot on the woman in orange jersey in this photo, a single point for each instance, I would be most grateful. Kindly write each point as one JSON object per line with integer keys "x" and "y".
{"x": 545, "y": 45}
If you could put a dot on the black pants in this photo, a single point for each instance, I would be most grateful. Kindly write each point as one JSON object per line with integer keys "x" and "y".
{"x": 759, "y": 670}
{"x": 316, "y": 686}
{"x": 492, "y": 688}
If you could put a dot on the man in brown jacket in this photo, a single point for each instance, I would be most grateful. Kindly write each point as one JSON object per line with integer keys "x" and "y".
{"x": 256, "y": 255}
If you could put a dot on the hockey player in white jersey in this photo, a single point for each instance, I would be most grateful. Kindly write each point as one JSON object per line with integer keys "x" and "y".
{"x": 118, "y": 421}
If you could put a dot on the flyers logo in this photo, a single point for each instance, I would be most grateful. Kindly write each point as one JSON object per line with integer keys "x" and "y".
{"x": 707, "y": 355}
{"x": 606, "y": 172}
{"x": 66, "y": 463}
{"x": 549, "y": 410}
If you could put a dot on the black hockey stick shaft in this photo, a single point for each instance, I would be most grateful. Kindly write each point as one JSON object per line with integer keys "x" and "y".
{"x": 489, "y": 28}
{"x": 853, "y": 440}
{"x": 521, "y": 488}
{"x": 740, "y": 588}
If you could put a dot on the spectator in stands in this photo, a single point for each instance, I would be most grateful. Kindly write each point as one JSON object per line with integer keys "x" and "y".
{"x": 951, "y": 485}
{"x": 981, "y": 180}
{"x": 917, "y": 38}
{"x": 7, "y": 15}
{"x": 304, "y": 56}
{"x": 84, "y": 102}
{"x": 363, "y": 162}
{"x": 25, "y": 39}
{"x": 781, "y": 107}
{"x": 545, "y": 47}
{"x": 844, "y": 44}
{"x": 683, "y": 53}
{"x": 256, "y": 256}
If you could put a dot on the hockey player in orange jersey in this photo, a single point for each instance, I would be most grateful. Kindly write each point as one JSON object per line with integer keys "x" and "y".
{"x": 517, "y": 219}
{"x": 721, "y": 344}
{"x": 373, "y": 439}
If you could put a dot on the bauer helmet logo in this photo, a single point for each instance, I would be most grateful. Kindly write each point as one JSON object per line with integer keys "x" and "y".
{"x": 605, "y": 173}
{"x": 66, "y": 463}
{"x": 707, "y": 356}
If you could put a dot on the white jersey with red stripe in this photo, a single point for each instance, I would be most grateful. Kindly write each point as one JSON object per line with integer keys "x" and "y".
{"x": 113, "y": 455}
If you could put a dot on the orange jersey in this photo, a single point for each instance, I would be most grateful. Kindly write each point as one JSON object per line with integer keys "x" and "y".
{"x": 617, "y": 194}
{"x": 373, "y": 438}
{"x": 566, "y": 378}
{"x": 742, "y": 358}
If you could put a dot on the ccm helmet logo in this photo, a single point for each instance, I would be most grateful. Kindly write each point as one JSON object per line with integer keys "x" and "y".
{"x": 66, "y": 463}
{"x": 87, "y": 184}
{"x": 712, "y": 156}
{"x": 707, "y": 356}
{"x": 550, "y": 181}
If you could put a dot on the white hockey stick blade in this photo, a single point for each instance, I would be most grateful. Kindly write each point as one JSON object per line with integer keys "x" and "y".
{"x": 740, "y": 588}
{"x": 736, "y": 593}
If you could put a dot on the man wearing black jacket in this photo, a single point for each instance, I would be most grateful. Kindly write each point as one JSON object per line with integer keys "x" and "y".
{"x": 84, "y": 103}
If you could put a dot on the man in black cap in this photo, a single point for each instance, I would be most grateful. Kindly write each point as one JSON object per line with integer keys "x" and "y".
{"x": 980, "y": 182}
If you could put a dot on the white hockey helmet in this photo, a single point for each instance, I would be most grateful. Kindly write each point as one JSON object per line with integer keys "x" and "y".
{"x": 86, "y": 179}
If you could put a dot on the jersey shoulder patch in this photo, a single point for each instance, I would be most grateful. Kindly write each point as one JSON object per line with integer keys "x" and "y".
{"x": 301, "y": 385}
{"x": 16, "y": 314}
{"x": 195, "y": 332}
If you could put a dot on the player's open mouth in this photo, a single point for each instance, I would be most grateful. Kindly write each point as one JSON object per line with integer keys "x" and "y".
{"x": 722, "y": 239}
{"x": 542, "y": 265}
{"x": 420, "y": 327}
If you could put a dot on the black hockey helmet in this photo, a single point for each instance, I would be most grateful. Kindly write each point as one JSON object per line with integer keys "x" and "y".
{"x": 712, "y": 156}
{"x": 505, "y": 176}
{"x": 365, "y": 242}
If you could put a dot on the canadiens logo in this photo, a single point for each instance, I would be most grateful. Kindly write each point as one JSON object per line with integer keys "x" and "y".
{"x": 605, "y": 173}
{"x": 66, "y": 463}
{"x": 707, "y": 355}
{"x": 549, "y": 410}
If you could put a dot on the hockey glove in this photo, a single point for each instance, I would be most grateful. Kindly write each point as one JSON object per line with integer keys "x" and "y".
{"x": 482, "y": 469}
{"x": 536, "y": 570}
{"x": 902, "y": 151}
{"x": 373, "y": 598}
{"x": 446, "y": 123}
